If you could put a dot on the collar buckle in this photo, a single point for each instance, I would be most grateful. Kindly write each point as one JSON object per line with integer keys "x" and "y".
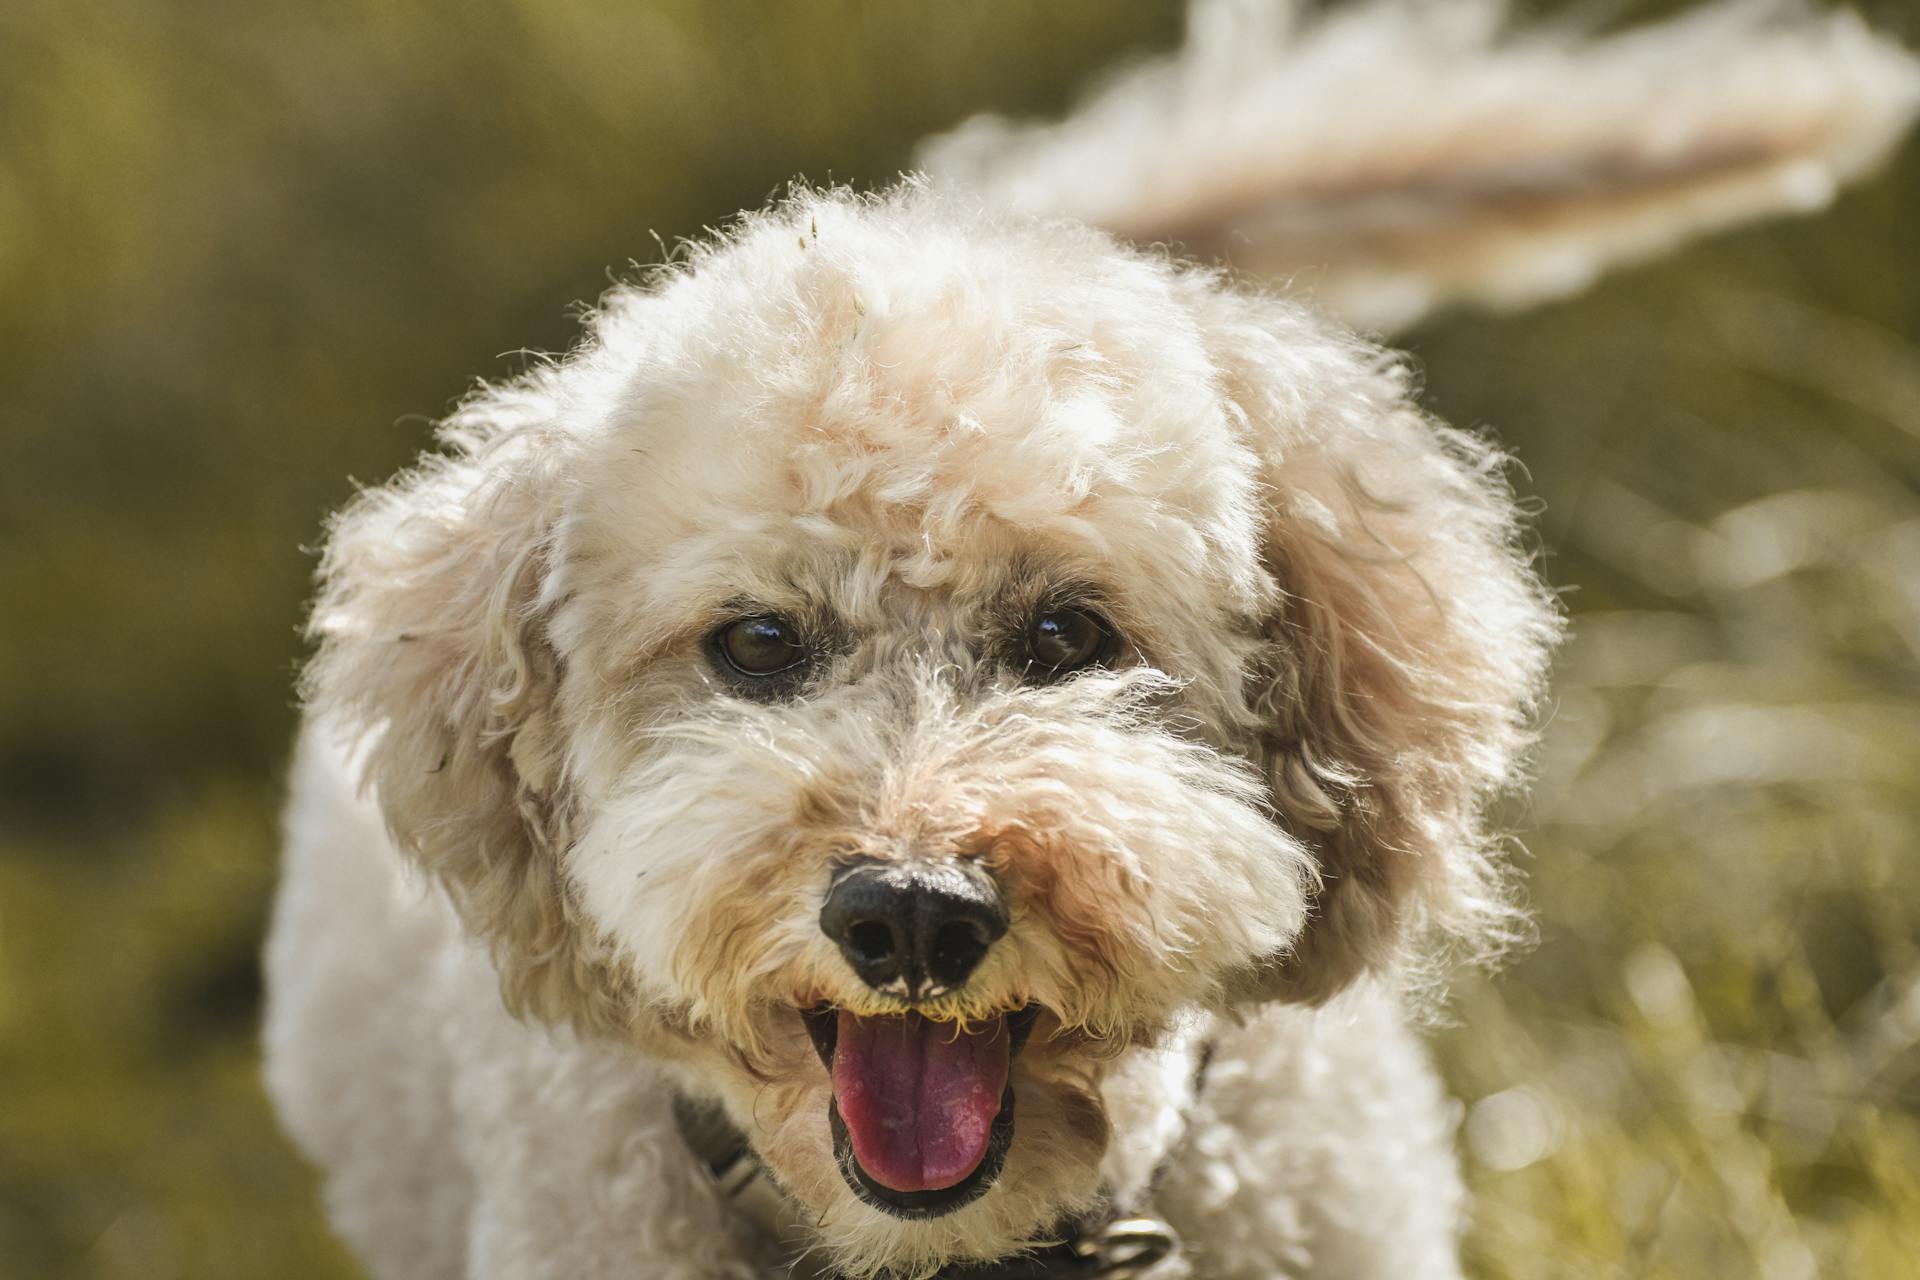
{"x": 1126, "y": 1248}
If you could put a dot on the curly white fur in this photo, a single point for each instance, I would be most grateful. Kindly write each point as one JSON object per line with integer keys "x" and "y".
{"x": 906, "y": 423}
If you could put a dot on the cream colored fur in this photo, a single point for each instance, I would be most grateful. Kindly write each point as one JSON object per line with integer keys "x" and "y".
{"x": 547, "y": 864}
{"x": 908, "y": 422}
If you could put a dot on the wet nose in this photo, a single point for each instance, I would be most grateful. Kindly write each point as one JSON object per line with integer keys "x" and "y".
{"x": 915, "y": 931}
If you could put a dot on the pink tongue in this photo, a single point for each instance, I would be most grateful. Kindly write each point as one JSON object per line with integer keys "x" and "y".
{"x": 918, "y": 1097}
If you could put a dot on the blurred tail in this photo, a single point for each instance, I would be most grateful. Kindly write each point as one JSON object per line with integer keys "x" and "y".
{"x": 1399, "y": 155}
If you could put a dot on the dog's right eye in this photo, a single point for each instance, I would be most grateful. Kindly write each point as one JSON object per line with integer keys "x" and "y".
{"x": 767, "y": 645}
{"x": 1065, "y": 640}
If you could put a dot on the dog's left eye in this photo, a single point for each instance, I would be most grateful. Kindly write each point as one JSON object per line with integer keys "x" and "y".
{"x": 1065, "y": 640}
{"x": 767, "y": 645}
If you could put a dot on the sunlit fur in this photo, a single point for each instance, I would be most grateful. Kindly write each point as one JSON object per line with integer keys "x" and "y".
{"x": 1393, "y": 156}
{"x": 908, "y": 425}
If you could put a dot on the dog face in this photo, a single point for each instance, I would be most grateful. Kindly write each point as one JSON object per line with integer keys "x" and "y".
{"x": 905, "y": 660}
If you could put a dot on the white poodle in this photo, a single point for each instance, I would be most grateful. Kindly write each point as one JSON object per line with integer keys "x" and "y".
{"x": 932, "y": 739}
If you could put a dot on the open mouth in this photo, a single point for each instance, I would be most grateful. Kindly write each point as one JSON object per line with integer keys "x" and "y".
{"x": 922, "y": 1111}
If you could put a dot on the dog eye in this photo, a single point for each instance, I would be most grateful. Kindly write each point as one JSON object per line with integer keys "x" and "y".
{"x": 1066, "y": 640}
{"x": 767, "y": 645}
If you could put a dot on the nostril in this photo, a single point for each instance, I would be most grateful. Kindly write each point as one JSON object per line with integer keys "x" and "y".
{"x": 957, "y": 949}
{"x": 869, "y": 941}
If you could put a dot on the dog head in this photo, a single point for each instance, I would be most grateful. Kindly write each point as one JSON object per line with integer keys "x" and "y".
{"x": 905, "y": 660}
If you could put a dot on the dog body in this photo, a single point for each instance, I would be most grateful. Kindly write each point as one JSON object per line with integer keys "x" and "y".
{"x": 922, "y": 682}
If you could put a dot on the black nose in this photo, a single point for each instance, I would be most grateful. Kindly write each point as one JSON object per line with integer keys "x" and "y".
{"x": 913, "y": 931}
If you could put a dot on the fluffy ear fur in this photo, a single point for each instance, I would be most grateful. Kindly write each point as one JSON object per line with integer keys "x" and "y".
{"x": 1406, "y": 651}
{"x": 430, "y": 624}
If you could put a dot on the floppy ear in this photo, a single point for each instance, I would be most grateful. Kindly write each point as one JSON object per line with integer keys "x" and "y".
{"x": 1405, "y": 649}
{"x": 432, "y": 651}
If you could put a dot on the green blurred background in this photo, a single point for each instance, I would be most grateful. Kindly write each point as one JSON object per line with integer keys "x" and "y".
{"x": 249, "y": 249}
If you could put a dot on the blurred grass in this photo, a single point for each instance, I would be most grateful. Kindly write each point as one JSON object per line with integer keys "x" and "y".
{"x": 238, "y": 241}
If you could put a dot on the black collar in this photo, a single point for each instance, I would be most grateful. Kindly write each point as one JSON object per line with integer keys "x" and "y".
{"x": 1107, "y": 1245}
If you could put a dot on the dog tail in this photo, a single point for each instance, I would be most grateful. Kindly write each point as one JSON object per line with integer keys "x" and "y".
{"x": 1401, "y": 155}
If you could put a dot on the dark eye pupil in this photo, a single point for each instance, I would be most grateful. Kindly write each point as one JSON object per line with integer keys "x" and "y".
{"x": 1065, "y": 640}
{"x": 762, "y": 646}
